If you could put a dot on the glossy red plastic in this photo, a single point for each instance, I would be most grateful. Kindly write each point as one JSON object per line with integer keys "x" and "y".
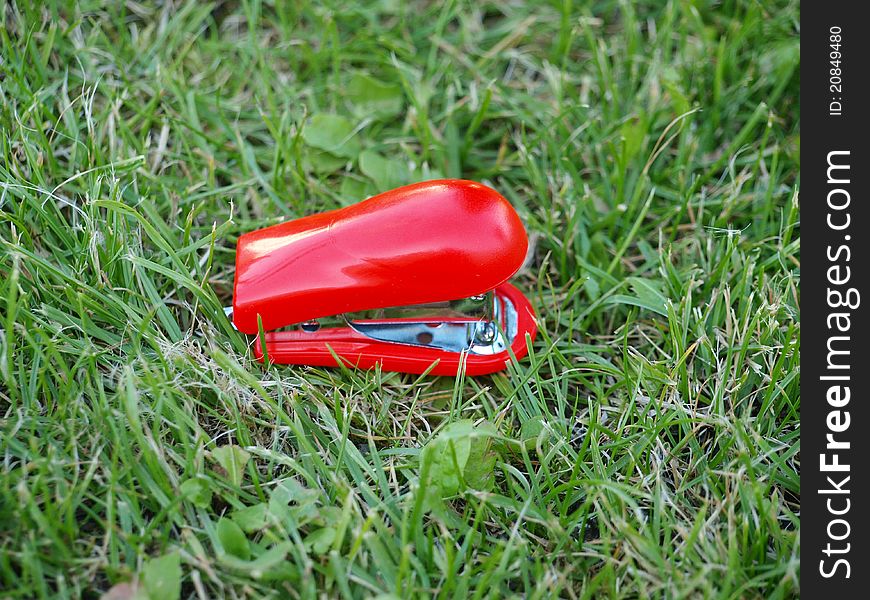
{"x": 358, "y": 351}
{"x": 427, "y": 242}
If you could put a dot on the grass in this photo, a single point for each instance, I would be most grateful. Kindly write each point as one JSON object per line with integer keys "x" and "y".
{"x": 648, "y": 447}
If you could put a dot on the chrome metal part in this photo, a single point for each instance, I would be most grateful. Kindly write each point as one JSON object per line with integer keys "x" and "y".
{"x": 475, "y": 307}
{"x": 446, "y": 336}
{"x": 477, "y": 337}
{"x": 483, "y": 324}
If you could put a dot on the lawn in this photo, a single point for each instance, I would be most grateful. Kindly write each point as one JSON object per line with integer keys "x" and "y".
{"x": 648, "y": 446}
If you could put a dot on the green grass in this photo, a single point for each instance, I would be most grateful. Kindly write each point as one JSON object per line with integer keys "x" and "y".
{"x": 648, "y": 447}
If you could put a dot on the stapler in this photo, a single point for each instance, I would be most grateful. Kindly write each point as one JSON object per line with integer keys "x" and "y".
{"x": 410, "y": 278}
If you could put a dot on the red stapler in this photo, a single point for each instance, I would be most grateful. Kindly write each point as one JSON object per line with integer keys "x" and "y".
{"x": 409, "y": 278}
